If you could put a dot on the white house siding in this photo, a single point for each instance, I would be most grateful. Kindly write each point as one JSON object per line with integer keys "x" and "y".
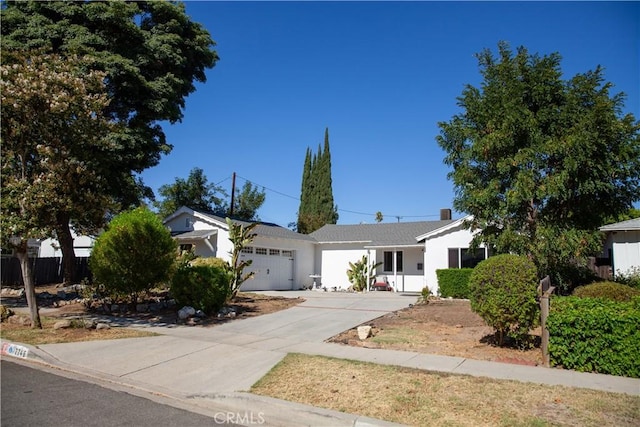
{"x": 626, "y": 250}
{"x": 436, "y": 251}
{"x": 82, "y": 246}
{"x": 410, "y": 279}
{"x": 334, "y": 263}
{"x": 212, "y": 246}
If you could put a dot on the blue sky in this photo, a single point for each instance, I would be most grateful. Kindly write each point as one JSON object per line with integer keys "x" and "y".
{"x": 380, "y": 76}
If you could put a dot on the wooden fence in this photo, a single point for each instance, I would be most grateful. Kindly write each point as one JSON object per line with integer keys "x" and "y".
{"x": 45, "y": 271}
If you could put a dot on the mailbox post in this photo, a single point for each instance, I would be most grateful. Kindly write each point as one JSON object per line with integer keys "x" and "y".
{"x": 544, "y": 292}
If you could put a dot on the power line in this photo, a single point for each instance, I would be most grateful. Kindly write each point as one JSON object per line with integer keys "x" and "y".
{"x": 339, "y": 210}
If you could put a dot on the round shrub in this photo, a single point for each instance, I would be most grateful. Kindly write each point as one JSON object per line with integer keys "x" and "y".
{"x": 209, "y": 262}
{"x": 135, "y": 253}
{"x": 203, "y": 287}
{"x": 607, "y": 290}
{"x": 502, "y": 290}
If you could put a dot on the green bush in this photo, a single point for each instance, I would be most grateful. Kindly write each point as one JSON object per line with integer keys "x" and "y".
{"x": 454, "y": 282}
{"x": 502, "y": 290}
{"x": 135, "y": 253}
{"x": 607, "y": 290}
{"x": 203, "y": 287}
{"x": 210, "y": 262}
{"x": 595, "y": 335}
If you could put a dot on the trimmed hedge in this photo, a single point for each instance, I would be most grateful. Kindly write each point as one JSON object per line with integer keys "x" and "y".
{"x": 608, "y": 290}
{"x": 595, "y": 335}
{"x": 203, "y": 287}
{"x": 454, "y": 282}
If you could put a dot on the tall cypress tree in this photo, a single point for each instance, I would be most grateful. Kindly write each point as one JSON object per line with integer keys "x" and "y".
{"x": 316, "y": 199}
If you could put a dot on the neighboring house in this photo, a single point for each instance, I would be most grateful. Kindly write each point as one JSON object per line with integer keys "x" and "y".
{"x": 622, "y": 245}
{"x": 82, "y": 246}
{"x": 282, "y": 259}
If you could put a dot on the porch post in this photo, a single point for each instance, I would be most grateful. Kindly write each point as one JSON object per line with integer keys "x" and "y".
{"x": 395, "y": 269}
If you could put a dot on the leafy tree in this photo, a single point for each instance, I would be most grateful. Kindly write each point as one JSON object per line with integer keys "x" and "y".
{"x": 151, "y": 54}
{"x": 379, "y": 216}
{"x": 195, "y": 192}
{"x": 538, "y": 161}
{"x": 50, "y": 134}
{"x": 241, "y": 235}
{"x": 316, "y": 199}
{"x": 247, "y": 202}
{"x": 502, "y": 290}
{"x": 135, "y": 253}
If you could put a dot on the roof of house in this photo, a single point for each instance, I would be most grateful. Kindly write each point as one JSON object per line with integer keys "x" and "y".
{"x": 628, "y": 225}
{"x": 381, "y": 235}
{"x": 265, "y": 229}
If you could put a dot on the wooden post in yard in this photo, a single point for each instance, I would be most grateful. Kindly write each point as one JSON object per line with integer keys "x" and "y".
{"x": 544, "y": 291}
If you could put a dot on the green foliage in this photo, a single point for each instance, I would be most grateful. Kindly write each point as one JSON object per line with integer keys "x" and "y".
{"x": 195, "y": 192}
{"x": 607, "y": 290}
{"x": 359, "y": 275}
{"x": 135, "y": 253}
{"x": 241, "y": 235}
{"x": 595, "y": 335}
{"x": 425, "y": 293}
{"x": 247, "y": 202}
{"x": 201, "y": 286}
{"x": 454, "y": 282}
{"x": 538, "y": 161}
{"x": 502, "y": 290}
{"x": 209, "y": 262}
{"x": 316, "y": 199}
{"x": 630, "y": 278}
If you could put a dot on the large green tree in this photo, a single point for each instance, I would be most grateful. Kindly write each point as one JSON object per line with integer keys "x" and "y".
{"x": 151, "y": 54}
{"x": 540, "y": 161}
{"x": 195, "y": 192}
{"x": 247, "y": 201}
{"x": 52, "y": 133}
{"x": 317, "y": 206}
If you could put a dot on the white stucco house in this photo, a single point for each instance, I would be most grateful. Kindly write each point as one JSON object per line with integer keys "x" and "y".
{"x": 282, "y": 259}
{"x": 622, "y": 245}
{"x": 409, "y": 252}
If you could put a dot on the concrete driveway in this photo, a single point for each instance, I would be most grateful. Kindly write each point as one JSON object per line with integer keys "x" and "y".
{"x": 198, "y": 361}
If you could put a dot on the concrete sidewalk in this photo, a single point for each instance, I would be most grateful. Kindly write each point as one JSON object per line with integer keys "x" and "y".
{"x": 212, "y": 368}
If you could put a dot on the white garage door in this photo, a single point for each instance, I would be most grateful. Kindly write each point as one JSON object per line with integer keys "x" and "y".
{"x": 273, "y": 269}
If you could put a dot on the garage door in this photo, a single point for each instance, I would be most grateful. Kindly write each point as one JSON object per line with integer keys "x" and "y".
{"x": 273, "y": 269}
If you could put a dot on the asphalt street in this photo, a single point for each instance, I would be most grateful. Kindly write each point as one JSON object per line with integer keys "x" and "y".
{"x": 32, "y": 397}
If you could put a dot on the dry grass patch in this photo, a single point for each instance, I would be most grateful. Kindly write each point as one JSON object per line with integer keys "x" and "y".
{"x": 419, "y": 398}
{"x": 48, "y": 335}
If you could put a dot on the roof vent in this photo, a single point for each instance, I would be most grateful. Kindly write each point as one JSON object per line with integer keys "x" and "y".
{"x": 445, "y": 214}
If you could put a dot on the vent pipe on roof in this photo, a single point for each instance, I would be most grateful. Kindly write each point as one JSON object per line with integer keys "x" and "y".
{"x": 445, "y": 214}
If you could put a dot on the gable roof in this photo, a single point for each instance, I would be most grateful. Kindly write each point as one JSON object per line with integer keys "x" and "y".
{"x": 264, "y": 229}
{"x": 377, "y": 235}
{"x": 628, "y": 225}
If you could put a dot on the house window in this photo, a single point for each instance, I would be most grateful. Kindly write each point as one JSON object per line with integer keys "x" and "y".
{"x": 186, "y": 247}
{"x": 274, "y": 252}
{"x": 247, "y": 250}
{"x": 420, "y": 267}
{"x": 465, "y": 257}
{"x": 261, "y": 251}
{"x": 388, "y": 261}
{"x": 188, "y": 222}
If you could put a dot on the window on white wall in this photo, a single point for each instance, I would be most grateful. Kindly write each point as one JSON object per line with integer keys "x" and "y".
{"x": 388, "y": 261}
{"x": 465, "y": 257}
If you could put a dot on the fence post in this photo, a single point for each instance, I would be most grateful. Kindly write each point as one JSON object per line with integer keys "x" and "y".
{"x": 544, "y": 292}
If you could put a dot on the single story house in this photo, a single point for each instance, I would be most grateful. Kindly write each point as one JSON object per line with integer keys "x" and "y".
{"x": 622, "y": 245}
{"x": 409, "y": 252}
{"x": 282, "y": 259}
{"x": 82, "y": 246}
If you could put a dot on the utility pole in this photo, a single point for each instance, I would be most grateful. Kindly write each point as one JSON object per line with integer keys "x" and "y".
{"x": 233, "y": 194}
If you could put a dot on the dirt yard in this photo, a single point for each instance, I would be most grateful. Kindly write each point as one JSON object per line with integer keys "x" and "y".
{"x": 445, "y": 327}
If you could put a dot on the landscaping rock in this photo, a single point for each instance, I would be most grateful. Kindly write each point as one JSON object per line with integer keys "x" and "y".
{"x": 364, "y": 332}
{"x": 186, "y": 312}
{"x": 102, "y": 326}
{"x": 62, "y": 324}
{"x": 20, "y": 320}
